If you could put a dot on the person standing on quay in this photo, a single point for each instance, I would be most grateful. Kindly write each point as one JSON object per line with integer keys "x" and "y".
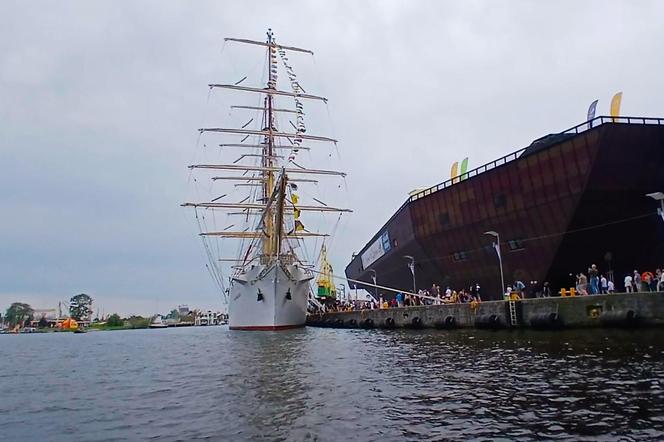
{"x": 652, "y": 284}
{"x": 582, "y": 284}
{"x": 604, "y": 284}
{"x": 629, "y": 288}
{"x": 637, "y": 281}
{"x": 400, "y": 299}
{"x": 611, "y": 287}
{"x": 594, "y": 279}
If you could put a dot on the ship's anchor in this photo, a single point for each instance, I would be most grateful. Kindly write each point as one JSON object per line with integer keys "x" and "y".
{"x": 260, "y": 296}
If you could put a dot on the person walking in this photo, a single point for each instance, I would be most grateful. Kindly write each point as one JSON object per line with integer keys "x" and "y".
{"x": 582, "y": 284}
{"x": 520, "y": 287}
{"x": 636, "y": 280}
{"x": 546, "y": 290}
{"x": 629, "y": 287}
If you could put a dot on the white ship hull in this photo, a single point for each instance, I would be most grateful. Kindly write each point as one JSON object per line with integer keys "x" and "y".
{"x": 270, "y": 297}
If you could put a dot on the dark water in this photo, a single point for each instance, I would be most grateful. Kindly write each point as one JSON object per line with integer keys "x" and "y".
{"x": 324, "y": 384}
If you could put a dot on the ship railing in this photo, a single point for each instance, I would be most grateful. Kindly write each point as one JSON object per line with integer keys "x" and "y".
{"x": 284, "y": 258}
{"x": 579, "y": 128}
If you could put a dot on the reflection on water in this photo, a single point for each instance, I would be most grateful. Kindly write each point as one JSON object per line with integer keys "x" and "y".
{"x": 325, "y": 384}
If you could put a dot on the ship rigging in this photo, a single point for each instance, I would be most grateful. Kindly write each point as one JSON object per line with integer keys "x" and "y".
{"x": 270, "y": 282}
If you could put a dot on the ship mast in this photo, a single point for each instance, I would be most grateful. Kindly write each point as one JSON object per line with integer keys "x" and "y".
{"x": 268, "y": 174}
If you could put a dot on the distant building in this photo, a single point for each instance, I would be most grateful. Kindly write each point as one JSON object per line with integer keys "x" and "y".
{"x": 208, "y": 318}
{"x": 183, "y": 310}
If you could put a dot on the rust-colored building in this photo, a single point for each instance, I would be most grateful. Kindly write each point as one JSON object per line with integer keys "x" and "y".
{"x": 565, "y": 202}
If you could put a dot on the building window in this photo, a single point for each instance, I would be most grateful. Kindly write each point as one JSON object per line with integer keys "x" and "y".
{"x": 500, "y": 200}
{"x": 460, "y": 256}
{"x": 515, "y": 244}
{"x": 489, "y": 248}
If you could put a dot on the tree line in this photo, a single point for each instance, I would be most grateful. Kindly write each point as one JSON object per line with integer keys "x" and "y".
{"x": 22, "y": 314}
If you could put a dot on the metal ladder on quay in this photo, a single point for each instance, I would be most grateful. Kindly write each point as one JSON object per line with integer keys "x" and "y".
{"x": 514, "y": 321}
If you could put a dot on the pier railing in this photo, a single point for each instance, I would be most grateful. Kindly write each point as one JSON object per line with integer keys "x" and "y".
{"x": 579, "y": 128}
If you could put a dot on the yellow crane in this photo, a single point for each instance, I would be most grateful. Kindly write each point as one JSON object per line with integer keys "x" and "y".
{"x": 326, "y": 288}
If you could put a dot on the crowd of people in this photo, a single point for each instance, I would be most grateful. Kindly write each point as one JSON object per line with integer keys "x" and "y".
{"x": 644, "y": 282}
{"x": 432, "y": 296}
{"x": 595, "y": 283}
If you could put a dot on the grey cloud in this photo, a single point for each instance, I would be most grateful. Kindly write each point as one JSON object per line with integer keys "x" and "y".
{"x": 99, "y": 102}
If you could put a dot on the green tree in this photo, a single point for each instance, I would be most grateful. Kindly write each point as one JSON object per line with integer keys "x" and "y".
{"x": 138, "y": 322}
{"x": 18, "y": 313}
{"x": 114, "y": 321}
{"x": 43, "y": 323}
{"x": 174, "y": 314}
{"x": 80, "y": 307}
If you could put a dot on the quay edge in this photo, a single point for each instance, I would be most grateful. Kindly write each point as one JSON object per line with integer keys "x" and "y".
{"x": 622, "y": 309}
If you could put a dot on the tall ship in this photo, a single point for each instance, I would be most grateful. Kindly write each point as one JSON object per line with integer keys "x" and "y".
{"x": 271, "y": 279}
{"x": 544, "y": 213}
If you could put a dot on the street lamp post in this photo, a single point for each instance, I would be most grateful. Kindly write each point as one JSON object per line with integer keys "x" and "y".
{"x": 375, "y": 283}
{"x": 496, "y": 245}
{"x": 341, "y": 291}
{"x": 411, "y": 266}
{"x": 658, "y": 196}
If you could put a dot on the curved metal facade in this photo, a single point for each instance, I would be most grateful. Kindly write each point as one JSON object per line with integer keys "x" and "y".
{"x": 559, "y": 206}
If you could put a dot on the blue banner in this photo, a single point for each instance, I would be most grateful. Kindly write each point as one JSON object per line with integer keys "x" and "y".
{"x": 591, "y": 113}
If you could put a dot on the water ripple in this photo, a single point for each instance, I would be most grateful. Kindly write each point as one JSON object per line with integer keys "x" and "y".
{"x": 323, "y": 384}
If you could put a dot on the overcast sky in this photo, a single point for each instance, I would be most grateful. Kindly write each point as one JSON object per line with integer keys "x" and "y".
{"x": 100, "y": 102}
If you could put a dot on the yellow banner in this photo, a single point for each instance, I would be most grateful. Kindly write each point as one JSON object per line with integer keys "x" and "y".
{"x": 455, "y": 170}
{"x": 615, "y": 105}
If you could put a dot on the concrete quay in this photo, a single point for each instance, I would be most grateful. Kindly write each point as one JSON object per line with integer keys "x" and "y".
{"x": 622, "y": 309}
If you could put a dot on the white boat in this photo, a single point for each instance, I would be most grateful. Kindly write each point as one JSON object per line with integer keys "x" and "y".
{"x": 270, "y": 283}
